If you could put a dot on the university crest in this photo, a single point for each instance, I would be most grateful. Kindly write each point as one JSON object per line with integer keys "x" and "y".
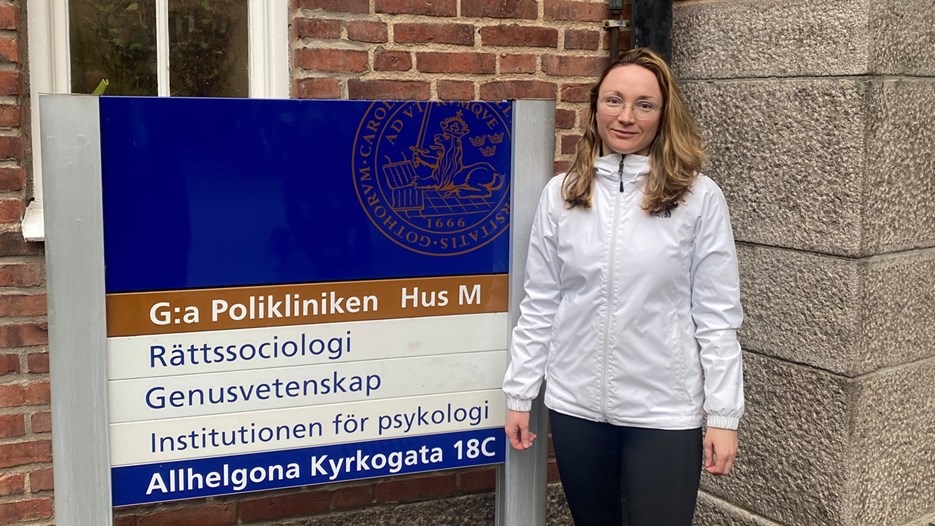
{"x": 435, "y": 176}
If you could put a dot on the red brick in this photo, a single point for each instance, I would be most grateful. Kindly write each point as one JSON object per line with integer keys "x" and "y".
{"x": 209, "y": 515}
{"x": 9, "y": 18}
{"x": 9, "y": 50}
{"x": 481, "y": 480}
{"x": 384, "y": 60}
{"x": 552, "y": 469}
{"x": 392, "y": 490}
{"x": 317, "y": 28}
{"x": 517, "y": 64}
{"x": 623, "y": 41}
{"x": 576, "y": 92}
{"x": 565, "y": 119}
{"x": 22, "y": 304}
{"x": 20, "y": 395}
{"x": 12, "y": 426}
{"x": 38, "y": 362}
{"x": 515, "y": 35}
{"x": 19, "y": 274}
{"x": 126, "y": 520}
{"x": 25, "y": 510}
{"x": 10, "y": 116}
{"x": 388, "y": 89}
{"x": 582, "y": 39}
{"x": 338, "y": 60}
{"x": 517, "y": 89}
{"x": 41, "y": 422}
{"x": 9, "y": 363}
{"x": 279, "y": 507}
{"x": 569, "y": 144}
{"x": 318, "y": 88}
{"x": 458, "y": 34}
{"x": 570, "y": 66}
{"x": 417, "y": 7}
{"x": 455, "y": 90}
{"x": 21, "y": 453}
{"x": 353, "y": 497}
{"x": 24, "y": 335}
{"x": 475, "y": 63}
{"x": 576, "y": 11}
{"x": 12, "y": 484}
{"x": 10, "y": 83}
{"x": 41, "y": 480}
{"x": 11, "y": 210}
{"x": 13, "y": 244}
{"x": 11, "y": 147}
{"x": 12, "y": 179}
{"x": 375, "y": 32}
{"x": 338, "y": 6}
{"x": 526, "y": 9}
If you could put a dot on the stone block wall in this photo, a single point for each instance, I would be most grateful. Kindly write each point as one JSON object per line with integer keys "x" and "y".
{"x": 819, "y": 121}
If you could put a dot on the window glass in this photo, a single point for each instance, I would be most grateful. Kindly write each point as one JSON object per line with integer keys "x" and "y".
{"x": 113, "y": 40}
{"x": 208, "y": 48}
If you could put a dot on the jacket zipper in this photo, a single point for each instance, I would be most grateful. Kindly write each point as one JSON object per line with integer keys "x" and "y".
{"x": 610, "y": 292}
{"x": 620, "y": 173}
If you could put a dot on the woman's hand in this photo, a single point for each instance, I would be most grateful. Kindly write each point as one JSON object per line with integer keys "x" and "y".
{"x": 720, "y": 449}
{"x": 517, "y": 429}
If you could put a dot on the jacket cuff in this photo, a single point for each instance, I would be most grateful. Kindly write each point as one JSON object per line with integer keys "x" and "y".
{"x": 518, "y": 404}
{"x": 723, "y": 422}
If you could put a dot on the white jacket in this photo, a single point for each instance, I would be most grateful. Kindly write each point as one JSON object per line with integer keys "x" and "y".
{"x": 632, "y": 317}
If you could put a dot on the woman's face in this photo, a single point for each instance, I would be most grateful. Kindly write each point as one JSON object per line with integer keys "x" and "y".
{"x": 629, "y": 106}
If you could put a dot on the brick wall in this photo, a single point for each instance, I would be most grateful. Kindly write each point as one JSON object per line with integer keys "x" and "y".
{"x": 454, "y": 50}
{"x": 357, "y": 49}
{"x": 25, "y": 422}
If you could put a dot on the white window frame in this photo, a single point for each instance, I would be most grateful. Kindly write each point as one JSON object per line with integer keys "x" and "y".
{"x": 50, "y": 69}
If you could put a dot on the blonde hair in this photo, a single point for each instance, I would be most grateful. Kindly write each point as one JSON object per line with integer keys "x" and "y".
{"x": 676, "y": 154}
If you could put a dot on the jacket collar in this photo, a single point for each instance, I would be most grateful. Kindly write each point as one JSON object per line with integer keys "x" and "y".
{"x": 608, "y": 167}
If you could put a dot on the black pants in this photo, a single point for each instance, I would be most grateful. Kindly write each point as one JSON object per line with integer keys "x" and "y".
{"x": 658, "y": 471}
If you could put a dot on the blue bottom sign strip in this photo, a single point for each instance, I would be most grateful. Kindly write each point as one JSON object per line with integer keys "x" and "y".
{"x": 299, "y": 467}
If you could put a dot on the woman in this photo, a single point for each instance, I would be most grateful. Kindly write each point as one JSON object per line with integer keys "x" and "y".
{"x": 631, "y": 310}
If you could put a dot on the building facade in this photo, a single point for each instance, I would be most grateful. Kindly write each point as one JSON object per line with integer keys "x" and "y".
{"x": 818, "y": 117}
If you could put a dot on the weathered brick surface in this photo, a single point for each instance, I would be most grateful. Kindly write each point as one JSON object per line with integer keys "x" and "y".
{"x": 21, "y": 511}
{"x": 318, "y": 88}
{"x": 318, "y": 28}
{"x": 516, "y": 9}
{"x": 337, "y": 6}
{"x": 374, "y": 32}
{"x": 518, "y": 63}
{"x": 207, "y": 515}
{"x": 409, "y": 33}
{"x": 516, "y": 35}
{"x": 417, "y": 7}
{"x": 477, "y": 63}
{"x": 283, "y": 506}
{"x": 385, "y": 60}
{"x": 455, "y": 90}
{"x": 388, "y": 89}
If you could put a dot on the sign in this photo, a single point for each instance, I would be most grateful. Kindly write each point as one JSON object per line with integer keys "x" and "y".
{"x": 301, "y": 292}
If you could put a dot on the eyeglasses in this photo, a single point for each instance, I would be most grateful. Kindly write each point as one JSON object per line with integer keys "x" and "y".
{"x": 642, "y": 109}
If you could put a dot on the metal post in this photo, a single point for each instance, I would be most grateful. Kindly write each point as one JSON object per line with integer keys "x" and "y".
{"x": 74, "y": 251}
{"x": 521, "y": 482}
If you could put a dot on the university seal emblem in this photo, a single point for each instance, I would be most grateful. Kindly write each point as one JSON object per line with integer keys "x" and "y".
{"x": 434, "y": 176}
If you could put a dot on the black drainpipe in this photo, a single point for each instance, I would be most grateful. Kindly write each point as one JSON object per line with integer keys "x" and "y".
{"x": 651, "y": 26}
{"x": 613, "y": 26}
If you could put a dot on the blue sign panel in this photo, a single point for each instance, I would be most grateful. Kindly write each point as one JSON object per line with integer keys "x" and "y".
{"x": 297, "y": 467}
{"x": 203, "y": 193}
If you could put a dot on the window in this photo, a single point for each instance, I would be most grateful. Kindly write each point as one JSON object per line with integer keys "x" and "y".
{"x": 200, "y": 48}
